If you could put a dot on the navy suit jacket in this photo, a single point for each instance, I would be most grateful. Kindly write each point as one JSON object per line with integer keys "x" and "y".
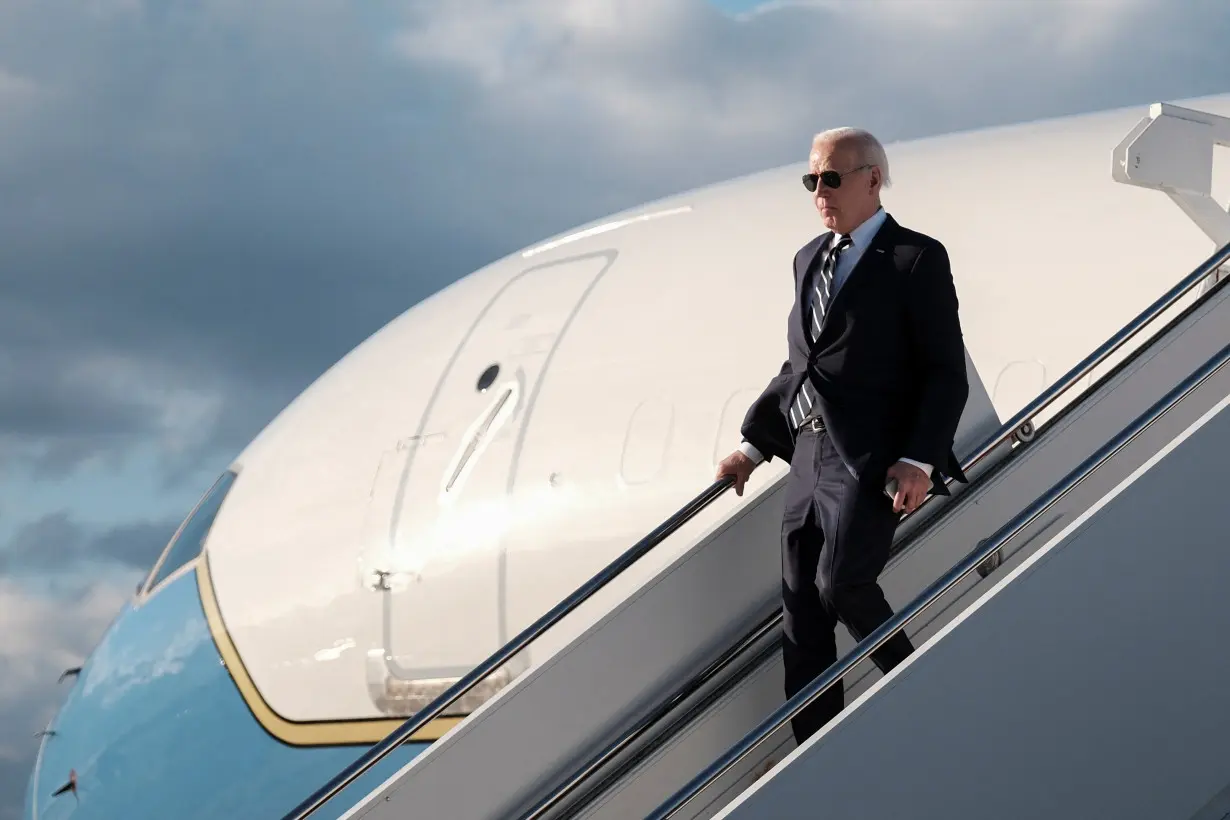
{"x": 889, "y": 365}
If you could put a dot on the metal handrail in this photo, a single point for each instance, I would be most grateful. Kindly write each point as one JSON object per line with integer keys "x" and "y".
{"x": 932, "y": 593}
{"x": 434, "y": 709}
{"x": 661, "y": 711}
{"x": 379, "y": 751}
{"x": 1107, "y": 349}
{"x": 1044, "y": 400}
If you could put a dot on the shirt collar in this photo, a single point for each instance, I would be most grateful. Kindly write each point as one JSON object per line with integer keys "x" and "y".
{"x": 861, "y": 236}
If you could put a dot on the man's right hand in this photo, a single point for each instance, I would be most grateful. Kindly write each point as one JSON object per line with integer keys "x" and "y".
{"x": 738, "y": 465}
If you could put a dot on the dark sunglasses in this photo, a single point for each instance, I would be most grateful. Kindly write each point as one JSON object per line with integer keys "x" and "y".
{"x": 831, "y": 179}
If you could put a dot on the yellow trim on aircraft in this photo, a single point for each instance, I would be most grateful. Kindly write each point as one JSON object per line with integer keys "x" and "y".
{"x": 296, "y": 733}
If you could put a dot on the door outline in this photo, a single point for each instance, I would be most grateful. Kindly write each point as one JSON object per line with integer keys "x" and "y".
{"x": 528, "y": 403}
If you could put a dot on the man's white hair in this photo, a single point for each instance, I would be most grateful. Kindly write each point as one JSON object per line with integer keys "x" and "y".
{"x": 870, "y": 151}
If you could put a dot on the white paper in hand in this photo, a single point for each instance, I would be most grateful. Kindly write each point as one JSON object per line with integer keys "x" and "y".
{"x": 890, "y": 489}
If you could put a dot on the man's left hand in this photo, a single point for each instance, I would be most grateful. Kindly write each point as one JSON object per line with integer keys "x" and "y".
{"x": 912, "y": 486}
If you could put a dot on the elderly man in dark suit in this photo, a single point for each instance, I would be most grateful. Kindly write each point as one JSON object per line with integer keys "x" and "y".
{"x": 865, "y": 409}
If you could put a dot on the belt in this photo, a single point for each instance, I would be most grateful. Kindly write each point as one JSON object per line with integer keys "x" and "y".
{"x": 815, "y": 424}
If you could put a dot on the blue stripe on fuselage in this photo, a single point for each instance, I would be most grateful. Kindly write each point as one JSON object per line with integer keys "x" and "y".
{"x": 154, "y": 727}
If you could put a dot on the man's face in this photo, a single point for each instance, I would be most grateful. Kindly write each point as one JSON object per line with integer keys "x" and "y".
{"x": 844, "y": 208}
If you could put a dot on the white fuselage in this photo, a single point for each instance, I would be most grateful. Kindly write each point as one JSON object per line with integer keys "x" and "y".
{"x": 626, "y": 359}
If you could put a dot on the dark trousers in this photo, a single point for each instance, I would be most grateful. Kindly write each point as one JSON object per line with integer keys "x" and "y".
{"x": 836, "y": 536}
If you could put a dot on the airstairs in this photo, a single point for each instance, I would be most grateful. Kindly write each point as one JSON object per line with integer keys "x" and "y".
{"x": 1043, "y": 581}
{"x": 1089, "y": 681}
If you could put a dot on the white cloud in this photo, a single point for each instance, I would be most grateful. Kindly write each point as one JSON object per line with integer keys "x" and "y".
{"x": 14, "y": 90}
{"x": 182, "y": 415}
{"x": 51, "y": 629}
{"x": 71, "y": 409}
{"x": 636, "y": 87}
{"x": 637, "y": 73}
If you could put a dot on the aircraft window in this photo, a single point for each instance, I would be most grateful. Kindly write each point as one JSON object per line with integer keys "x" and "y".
{"x": 488, "y": 378}
{"x": 188, "y": 541}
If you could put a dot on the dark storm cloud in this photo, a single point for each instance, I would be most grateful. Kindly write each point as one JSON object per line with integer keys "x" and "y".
{"x": 56, "y": 543}
{"x": 224, "y": 200}
{"x": 42, "y": 392}
{"x": 229, "y": 196}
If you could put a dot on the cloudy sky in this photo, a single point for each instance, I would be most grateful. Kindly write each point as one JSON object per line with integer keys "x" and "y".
{"x": 204, "y": 204}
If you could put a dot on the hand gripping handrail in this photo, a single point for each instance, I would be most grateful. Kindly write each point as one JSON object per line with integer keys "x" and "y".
{"x": 932, "y": 593}
{"x": 434, "y": 709}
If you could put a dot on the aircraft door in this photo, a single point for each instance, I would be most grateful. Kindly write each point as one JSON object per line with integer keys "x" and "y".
{"x": 440, "y": 501}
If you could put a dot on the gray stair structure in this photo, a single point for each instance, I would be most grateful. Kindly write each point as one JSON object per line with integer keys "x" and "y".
{"x": 1088, "y": 681}
{"x": 993, "y": 502}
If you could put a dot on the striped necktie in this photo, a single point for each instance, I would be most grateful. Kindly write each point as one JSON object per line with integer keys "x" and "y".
{"x": 821, "y": 295}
